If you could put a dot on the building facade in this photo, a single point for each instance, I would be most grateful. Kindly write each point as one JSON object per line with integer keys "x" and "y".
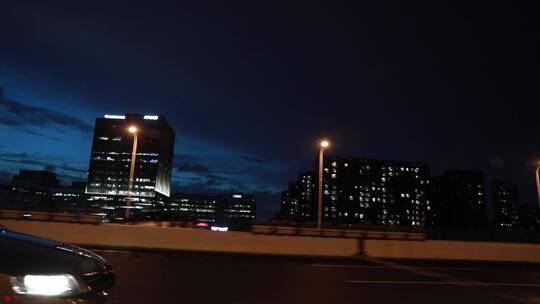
{"x": 374, "y": 192}
{"x": 110, "y": 163}
{"x": 363, "y": 191}
{"x": 236, "y": 211}
{"x": 37, "y": 190}
{"x": 194, "y": 207}
{"x": 458, "y": 200}
{"x": 297, "y": 201}
{"x": 505, "y": 204}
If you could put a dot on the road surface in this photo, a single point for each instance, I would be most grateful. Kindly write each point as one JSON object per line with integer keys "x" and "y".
{"x": 158, "y": 277}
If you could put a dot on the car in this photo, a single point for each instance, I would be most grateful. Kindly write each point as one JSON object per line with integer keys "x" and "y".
{"x": 38, "y": 270}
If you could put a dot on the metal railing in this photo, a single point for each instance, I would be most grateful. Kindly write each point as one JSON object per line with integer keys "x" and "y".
{"x": 340, "y": 233}
{"x": 50, "y": 216}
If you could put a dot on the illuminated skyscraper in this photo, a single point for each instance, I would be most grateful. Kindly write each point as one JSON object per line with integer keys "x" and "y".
{"x": 111, "y": 158}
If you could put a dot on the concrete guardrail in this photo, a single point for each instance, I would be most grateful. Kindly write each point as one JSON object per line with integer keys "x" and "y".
{"x": 166, "y": 238}
{"x": 340, "y": 233}
{"x": 50, "y": 216}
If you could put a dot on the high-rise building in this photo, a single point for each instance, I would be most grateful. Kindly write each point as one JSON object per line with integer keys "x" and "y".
{"x": 374, "y": 192}
{"x": 297, "y": 201}
{"x": 505, "y": 204}
{"x": 458, "y": 200}
{"x": 110, "y": 162}
{"x": 362, "y": 191}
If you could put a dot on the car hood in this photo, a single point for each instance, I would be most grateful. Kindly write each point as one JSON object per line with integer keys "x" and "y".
{"x": 22, "y": 254}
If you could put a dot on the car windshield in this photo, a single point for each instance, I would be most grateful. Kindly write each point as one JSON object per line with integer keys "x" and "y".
{"x": 269, "y": 152}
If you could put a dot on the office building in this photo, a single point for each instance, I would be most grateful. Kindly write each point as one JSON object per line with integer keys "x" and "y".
{"x": 297, "y": 201}
{"x": 505, "y": 204}
{"x": 236, "y": 211}
{"x": 36, "y": 190}
{"x": 115, "y": 138}
{"x": 194, "y": 207}
{"x": 458, "y": 200}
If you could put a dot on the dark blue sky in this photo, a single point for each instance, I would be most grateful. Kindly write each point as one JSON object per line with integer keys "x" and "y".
{"x": 249, "y": 86}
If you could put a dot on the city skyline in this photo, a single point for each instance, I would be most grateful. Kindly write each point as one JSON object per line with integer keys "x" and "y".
{"x": 250, "y": 100}
{"x": 272, "y": 200}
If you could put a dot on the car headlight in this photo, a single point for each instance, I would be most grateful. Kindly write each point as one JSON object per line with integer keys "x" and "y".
{"x": 45, "y": 285}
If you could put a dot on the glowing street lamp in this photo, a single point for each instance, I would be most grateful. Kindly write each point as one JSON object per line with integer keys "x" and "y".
{"x": 133, "y": 130}
{"x": 323, "y": 145}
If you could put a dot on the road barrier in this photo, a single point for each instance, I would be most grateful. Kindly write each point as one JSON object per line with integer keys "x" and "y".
{"x": 275, "y": 241}
{"x": 135, "y": 237}
{"x": 50, "y": 216}
{"x": 340, "y": 233}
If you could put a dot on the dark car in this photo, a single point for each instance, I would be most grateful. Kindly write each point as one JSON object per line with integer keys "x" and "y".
{"x": 37, "y": 270}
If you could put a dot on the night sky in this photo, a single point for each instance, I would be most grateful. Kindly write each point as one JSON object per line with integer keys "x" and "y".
{"x": 249, "y": 87}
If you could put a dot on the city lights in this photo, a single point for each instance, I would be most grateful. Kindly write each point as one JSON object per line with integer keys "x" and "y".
{"x": 151, "y": 117}
{"x": 218, "y": 228}
{"x": 108, "y": 116}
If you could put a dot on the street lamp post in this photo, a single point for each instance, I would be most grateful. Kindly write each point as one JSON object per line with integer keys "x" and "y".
{"x": 538, "y": 182}
{"x": 324, "y": 144}
{"x": 133, "y": 130}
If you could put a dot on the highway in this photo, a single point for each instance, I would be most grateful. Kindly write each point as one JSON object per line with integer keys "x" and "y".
{"x": 172, "y": 277}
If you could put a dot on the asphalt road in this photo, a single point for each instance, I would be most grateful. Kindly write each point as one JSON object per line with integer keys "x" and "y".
{"x": 153, "y": 277}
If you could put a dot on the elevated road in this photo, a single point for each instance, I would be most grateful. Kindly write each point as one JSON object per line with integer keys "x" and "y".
{"x": 169, "y": 277}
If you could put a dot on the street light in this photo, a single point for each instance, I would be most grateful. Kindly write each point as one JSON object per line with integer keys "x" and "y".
{"x": 538, "y": 182}
{"x": 133, "y": 130}
{"x": 324, "y": 144}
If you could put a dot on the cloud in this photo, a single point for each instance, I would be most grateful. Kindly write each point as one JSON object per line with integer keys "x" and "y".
{"x": 192, "y": 168}
{"x": 18, "y": 115}
{"x": 183, "y": 157}
{"x": 214, "y": 180}
{"x": 254, "y": 159}
{"x": 28, "y": 159}
{"x": 39, "y": 134}
{"x": 230, "y": 168}
{"x": 50, "y": 167}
